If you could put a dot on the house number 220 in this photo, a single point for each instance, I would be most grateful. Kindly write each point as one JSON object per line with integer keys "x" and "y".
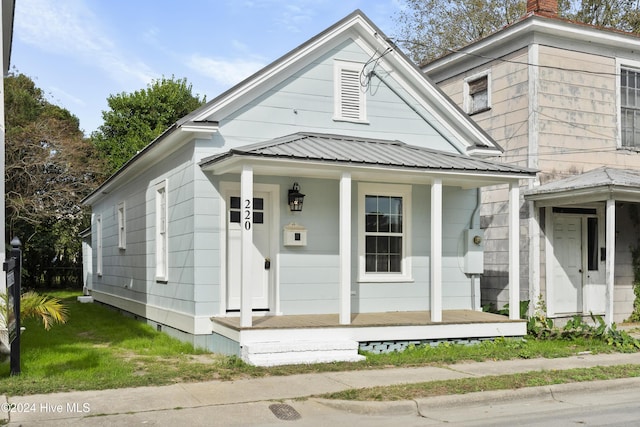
{"x": 247, "y": 214}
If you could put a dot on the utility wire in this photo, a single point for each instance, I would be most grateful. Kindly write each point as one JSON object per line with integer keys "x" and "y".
{"x": 490, "y": 58}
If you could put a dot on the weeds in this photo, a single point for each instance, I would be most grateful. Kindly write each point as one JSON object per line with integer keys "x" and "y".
{"x": 541, "y": 327}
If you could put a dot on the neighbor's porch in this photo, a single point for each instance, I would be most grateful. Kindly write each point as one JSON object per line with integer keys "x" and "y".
{"x": 605, "y": 188}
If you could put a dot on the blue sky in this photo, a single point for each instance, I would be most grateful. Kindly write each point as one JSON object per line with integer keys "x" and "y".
{"x": 81, "y": 51}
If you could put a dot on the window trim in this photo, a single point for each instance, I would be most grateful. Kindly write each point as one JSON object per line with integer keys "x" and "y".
{"x": 338, "y": 115}
{"x": 468, "y": 96}
{"x": 394, "y": 190}
{"x": 162, "y": 229}
{"x": 632, "y": 66}
{"x": 122, "y": 225}
{"x": 99, "y": 264}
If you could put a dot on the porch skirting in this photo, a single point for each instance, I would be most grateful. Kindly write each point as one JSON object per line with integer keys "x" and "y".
{"x": 394, "y": 330}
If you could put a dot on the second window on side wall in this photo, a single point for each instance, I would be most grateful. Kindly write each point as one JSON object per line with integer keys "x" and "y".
{"x": 122, "y": 226}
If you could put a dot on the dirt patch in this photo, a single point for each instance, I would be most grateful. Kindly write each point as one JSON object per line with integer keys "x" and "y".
{"x": 208, "y": 358}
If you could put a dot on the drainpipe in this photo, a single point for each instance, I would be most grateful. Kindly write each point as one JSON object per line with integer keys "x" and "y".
{"x": 475, "y": 279}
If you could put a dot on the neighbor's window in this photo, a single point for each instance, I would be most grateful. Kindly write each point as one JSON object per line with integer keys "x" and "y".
{"x": 630, "y": 107}
{"x": 592, "y": 244}
{"x": 349, "y": 95}
{"x": 477, "y": 94}
{"x": 161, "y": 231}
{"x": 122, "y": 229}
{"x": 384, "y": 212}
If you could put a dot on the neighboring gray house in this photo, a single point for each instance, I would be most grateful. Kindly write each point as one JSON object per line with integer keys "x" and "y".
{"x": 563, "y": 98}
{"x": 205, "y": 233}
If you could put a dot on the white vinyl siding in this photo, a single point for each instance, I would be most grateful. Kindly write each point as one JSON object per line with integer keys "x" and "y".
{"x": 161, "y": 232}
{"x": 349, "y": 94}
{"x": 384, "y": 228}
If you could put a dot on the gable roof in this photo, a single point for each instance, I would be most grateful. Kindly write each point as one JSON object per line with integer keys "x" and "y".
{"x": 317, "y": 149}
{"x": 357, "y": 26}
{"x": 205, "y": 120}
{"x": 532, "y": 28}
{"x": 598, "y": 184}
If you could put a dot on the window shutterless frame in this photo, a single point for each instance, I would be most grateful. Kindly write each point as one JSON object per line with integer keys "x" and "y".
{"x": 384, "y": 233}
{"x": 162, "y": 226}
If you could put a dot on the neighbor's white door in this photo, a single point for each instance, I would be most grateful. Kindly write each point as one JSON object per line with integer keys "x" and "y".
{"x": 595, "y": 289}
{"x": 567, "y": 270}
{"x": 260, "y": 270}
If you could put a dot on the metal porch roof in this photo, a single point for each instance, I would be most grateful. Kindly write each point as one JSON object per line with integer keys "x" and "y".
{"x": 350, "y": 150}
{"x": 603, "y": 181}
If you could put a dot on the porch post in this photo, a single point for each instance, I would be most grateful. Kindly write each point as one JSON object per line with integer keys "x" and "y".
{"x": 514, "y": 250}
{"x": 534, "y": 257}
{"x": 436, "y": 250}
{"x": 345, "y": 248}
{"x": 246, "y": 236}
{"x": 610, "y": 262}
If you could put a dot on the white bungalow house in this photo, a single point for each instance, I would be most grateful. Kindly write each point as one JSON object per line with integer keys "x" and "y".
{"x": 206, "y": 234}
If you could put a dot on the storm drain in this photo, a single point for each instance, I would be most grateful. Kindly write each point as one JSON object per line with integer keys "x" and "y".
{"x": 284, "y": 412}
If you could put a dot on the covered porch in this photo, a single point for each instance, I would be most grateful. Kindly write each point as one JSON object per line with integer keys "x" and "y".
{"x": 355, "y": 167}
{"x": 602, "y": 265}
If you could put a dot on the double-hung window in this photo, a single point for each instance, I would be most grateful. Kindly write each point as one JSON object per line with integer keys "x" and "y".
{"x": 122, "y": 227}
{"x": 384, "y": 222}
{"x": 99, "y": 245}
{"x": 162, "y": 252}
{"x": 630, "y": 108}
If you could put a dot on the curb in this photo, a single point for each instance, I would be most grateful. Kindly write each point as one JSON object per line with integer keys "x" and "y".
{"x": 422, "y": 405}
{"x": 484, "y": 397}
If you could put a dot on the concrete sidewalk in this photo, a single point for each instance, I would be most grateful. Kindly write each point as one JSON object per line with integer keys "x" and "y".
{"x": 80, "y": 407}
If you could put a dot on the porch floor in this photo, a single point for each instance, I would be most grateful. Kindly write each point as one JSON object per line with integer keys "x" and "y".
{"x": 411, "y": 318}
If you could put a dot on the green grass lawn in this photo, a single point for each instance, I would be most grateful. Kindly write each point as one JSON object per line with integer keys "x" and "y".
{"x": 99, "y": 348}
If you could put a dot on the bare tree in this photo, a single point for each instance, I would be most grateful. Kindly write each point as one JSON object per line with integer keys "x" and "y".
{"x": 428, "y": 29}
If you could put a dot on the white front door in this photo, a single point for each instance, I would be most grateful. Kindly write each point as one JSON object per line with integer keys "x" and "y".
{"x": 260, "y": 259}
{"x": 567, "y": 269}
{"x": 578, "y": 270}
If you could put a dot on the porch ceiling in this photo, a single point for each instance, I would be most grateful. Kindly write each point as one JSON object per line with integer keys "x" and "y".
{"x": 327, "y": 156}
{"x": 597, "y": 185}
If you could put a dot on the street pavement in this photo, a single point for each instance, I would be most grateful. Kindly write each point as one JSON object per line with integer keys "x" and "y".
{"x": 285, "y": 400}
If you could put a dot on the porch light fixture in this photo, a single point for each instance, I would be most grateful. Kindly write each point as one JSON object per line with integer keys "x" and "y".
{"x": 295, "y": 198}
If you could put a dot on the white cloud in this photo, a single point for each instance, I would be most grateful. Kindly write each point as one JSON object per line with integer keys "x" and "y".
{"x": 60, "y": 94}
{"x": 69, "y": 28}
{"x": 288, "y": 16}
{"x": 222, "y": 71}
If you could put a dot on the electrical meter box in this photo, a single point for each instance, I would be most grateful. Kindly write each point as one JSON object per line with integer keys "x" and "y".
{"x": 295, "y": 235}
{"x": 474, "y": 251}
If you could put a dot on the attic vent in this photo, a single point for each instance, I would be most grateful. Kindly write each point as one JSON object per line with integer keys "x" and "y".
{"x": 349, "y": 96}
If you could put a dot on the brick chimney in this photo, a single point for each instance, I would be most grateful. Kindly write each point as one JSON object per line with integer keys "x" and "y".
{"x": 543, "y": 7}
